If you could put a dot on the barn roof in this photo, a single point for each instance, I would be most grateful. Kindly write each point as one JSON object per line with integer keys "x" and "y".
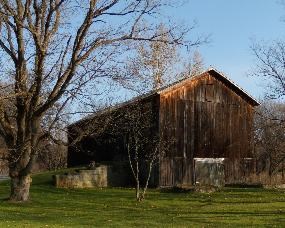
{"x": 215, "y": 73}
{"x": 220, "y": 76}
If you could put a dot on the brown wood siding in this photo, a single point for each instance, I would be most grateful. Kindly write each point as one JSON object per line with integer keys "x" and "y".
{"x": 206, "y": 119}
{"x": 206, "y": 116}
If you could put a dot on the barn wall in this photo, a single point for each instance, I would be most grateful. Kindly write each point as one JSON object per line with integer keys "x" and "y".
{"x": 108, "y": 142}
{"x": 203, "y": 118}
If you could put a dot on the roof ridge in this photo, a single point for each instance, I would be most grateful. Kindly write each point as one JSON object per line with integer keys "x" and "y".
{"x": 163, "y": 89}
{"x": 232, "y": 82}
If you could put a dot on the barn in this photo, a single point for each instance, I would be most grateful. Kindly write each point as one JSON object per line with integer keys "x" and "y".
{"x": 203, "y": 119}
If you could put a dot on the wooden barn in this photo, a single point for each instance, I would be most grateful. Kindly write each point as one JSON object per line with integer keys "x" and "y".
{"x": 201, "y": 117}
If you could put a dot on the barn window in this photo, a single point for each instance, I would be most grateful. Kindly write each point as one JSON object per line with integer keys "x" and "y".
{"x": 209, "y": 92}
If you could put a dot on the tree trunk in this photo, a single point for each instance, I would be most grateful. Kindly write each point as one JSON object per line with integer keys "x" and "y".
{"x": 138, "y": 192}
{"x": 138, "y": 185}
{"x": 20, "y": 188}
{"x": 147, "y": 181}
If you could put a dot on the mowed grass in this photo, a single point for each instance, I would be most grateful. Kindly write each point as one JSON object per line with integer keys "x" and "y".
{"x": 115, "y": 207}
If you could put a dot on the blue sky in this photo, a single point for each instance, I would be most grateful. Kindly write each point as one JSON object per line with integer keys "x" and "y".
{"x": 232, "y": 25}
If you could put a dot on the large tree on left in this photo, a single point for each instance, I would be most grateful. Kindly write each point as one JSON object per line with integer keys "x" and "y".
{"x": 50, "y": 50}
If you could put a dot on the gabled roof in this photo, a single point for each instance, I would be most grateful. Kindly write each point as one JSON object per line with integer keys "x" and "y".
{"x": 215, "y": 73}
{"x": 220, "y": 76}
{"x": 227, "y": 80}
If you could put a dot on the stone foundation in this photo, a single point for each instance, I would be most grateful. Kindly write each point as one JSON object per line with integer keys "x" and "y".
{"x": 101, "y": 176}
{"x": 83, "y": 178}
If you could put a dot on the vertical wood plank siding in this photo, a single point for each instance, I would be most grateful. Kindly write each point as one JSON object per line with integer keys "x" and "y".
{"x": 205, "y": 118}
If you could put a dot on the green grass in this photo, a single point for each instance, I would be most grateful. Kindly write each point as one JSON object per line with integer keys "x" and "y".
{"x": 114, "y": 207}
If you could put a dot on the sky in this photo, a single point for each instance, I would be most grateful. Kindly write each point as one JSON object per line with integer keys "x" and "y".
{"x": 232, "y": 26}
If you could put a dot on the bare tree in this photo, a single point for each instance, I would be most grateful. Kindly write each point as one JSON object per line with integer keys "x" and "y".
{"x": 52, "y": 153}
{"x": 144, "y": 144}
{"x": 269, "y": 136}
{"x": 52, "y": 156}
{"x": 270, "y": 117}
{"x": 153, "y": 64}
{"x": 196, "y": 64}
{"x": 52, "y": 50}
{"x": 271, "y": 67}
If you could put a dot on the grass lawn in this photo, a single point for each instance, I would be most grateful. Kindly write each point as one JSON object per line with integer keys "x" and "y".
{"x": 51, "y": 207}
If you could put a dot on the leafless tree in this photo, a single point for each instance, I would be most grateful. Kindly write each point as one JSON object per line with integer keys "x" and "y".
{"x": 52, "y": 149}
{"x": 153, "y": 64}
{"x": 53, "y": 51}
{"x": 52, "y": 156}
{"x": 158, "y": 64}
{"x": 196, "y": 64}
{"x": 144, "y": 144}
{"x": 270, "y": 136}
{"x": 270, "y": 117}
{"x": 271, "y": 67}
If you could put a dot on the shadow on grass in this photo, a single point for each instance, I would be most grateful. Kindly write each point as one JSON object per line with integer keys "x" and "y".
{"x": 165, "y": 207}
{"x": 244, "y": 185}
{"x": 176, "y": 190}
